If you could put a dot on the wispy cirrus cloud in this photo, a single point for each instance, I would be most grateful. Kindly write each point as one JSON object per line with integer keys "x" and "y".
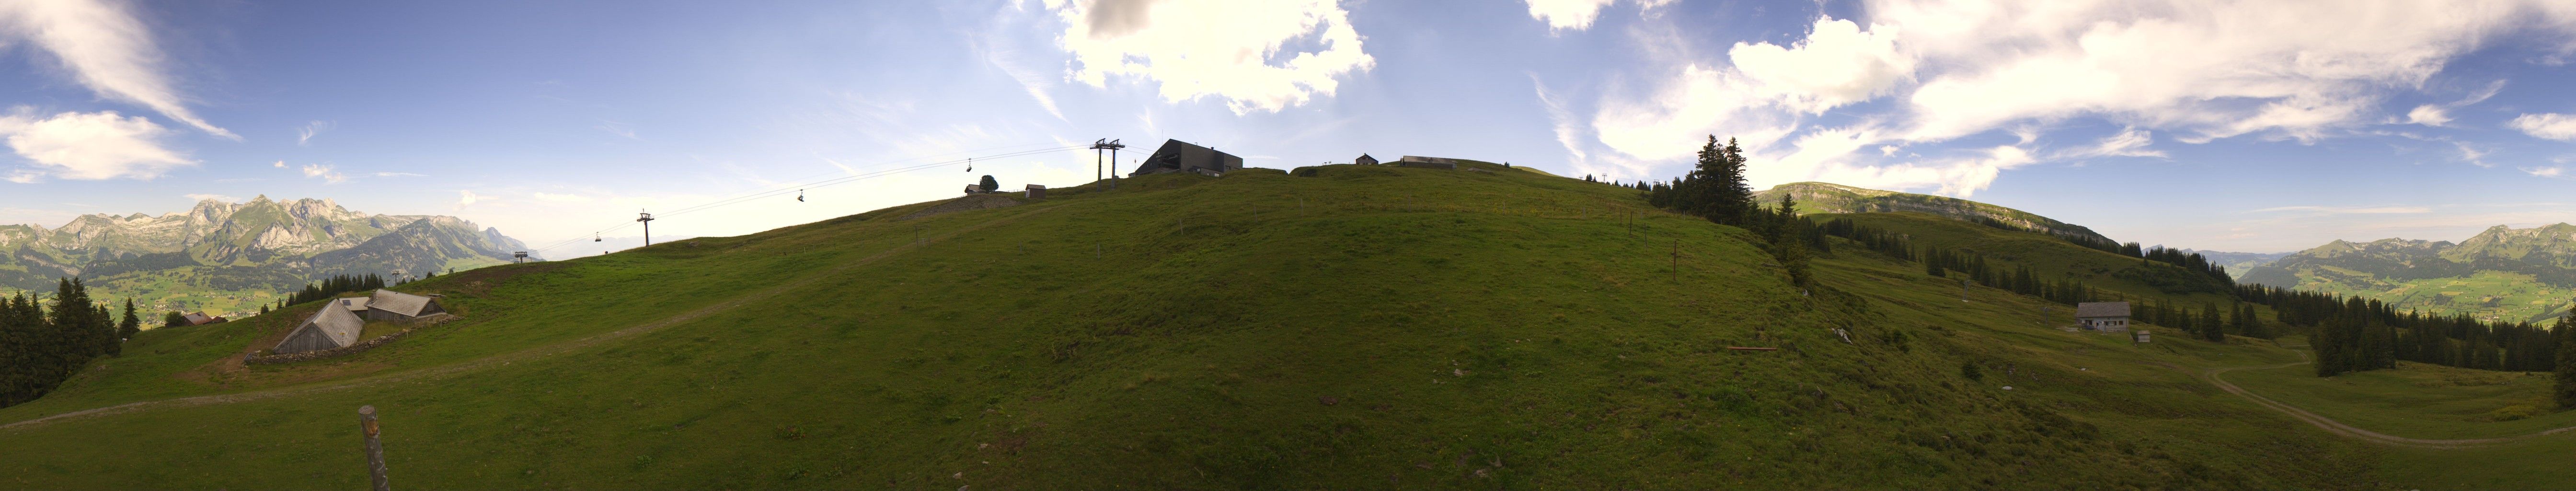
{"x": 107, "y": 49}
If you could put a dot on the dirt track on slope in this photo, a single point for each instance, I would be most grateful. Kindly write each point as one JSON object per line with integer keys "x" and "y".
{"x": 511, "y": 357}
{"x": 2339, "y": 428}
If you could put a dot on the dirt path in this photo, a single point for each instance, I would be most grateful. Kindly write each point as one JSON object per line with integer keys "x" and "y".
{"x": 511, "y": 357}
{"x": 2337, "y": 427}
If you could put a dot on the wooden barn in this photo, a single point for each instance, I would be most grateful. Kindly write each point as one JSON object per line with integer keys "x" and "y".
{"x": 389, "y": 305}
{"x": 1365, "y": 159}
{"x": 331, "y": 327}
{"x": 200, "y": 318}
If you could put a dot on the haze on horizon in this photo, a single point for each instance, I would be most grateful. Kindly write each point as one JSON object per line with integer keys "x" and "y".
{"x": 2253, "y": 126}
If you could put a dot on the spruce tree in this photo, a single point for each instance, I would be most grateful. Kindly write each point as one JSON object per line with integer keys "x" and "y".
{"x": 133, "y": 323}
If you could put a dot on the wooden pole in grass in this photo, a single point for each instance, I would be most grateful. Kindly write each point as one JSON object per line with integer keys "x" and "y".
{"x": 1677, "y": 260}
{"x": 375, "y": 448}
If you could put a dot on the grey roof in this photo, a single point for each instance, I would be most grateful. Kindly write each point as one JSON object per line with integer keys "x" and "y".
{"x": 408, "y": 305}
{"x": 337, "y": 324}
{"x": 196, "y": 318}
{"x": 357, "y": 303}
{"x": 2102, "y": 309}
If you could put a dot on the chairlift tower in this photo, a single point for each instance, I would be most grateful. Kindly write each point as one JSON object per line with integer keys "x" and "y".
{"x": 1112, "y": 146}
{"x": 647, "y": 220}
{"x": 519, "y": 257}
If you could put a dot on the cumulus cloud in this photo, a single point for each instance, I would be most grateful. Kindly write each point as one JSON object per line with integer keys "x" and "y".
{"x": 465, "y": 198}
{"x": 1259, "y": 56}
{"x": 104, "y": 47}
{"x": 1929, "y": 71}
{"x": 89, "y": 146}
{"x": 2546, "y": 125}
{"x": 1837, "y": 64}
{"x": 323, "y": 172}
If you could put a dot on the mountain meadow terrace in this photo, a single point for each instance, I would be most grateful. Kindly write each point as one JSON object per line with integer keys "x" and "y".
{"x": 1334, "y": 327}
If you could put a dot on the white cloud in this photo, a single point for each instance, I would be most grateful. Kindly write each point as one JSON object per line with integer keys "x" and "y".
{"x": 2130, "y": 142}
{"x": 1576, "y": 15}
{"x": 2194, "y": 70}
{"x": 2546, "y": 125}
{"x": 89, "y": 146}
{"x": 1836, "y": 64}
{"x": 2428, "y": 115}
{"x": 106, "y": 49}
{"x": 23, "y": 176}
{"x": 216, "y": 197}
{"x": 398, "y": 174}
{"x": 465, "y": 198}
{"x": 304, "y": 135}
{"x": 1260, "y": 56}
{"x": 324, "y": 172}
{"x": 2553, "y": 171}
{"x": 279, "y": 164}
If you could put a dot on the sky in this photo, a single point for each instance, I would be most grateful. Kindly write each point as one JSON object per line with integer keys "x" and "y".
{"x": 2259, "y": 126}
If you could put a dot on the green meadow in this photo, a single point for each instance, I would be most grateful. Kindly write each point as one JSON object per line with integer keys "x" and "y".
{"x": 1334, "y": 327}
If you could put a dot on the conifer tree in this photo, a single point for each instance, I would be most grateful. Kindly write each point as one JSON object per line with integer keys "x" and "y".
{"x": 1788, "y": 242}
{"x": 988, "y": 184}
{"x": 133, "y": 323}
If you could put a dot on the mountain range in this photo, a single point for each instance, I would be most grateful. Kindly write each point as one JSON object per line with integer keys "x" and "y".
{"x": 2502, "y": 273}
{"x": 229, "y": 257}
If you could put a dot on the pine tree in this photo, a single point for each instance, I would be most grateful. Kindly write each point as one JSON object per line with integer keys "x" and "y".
{"x": 1733, "y": 197}
{"x": 1788, "y": 242}
{"x": 2210, "y": 327}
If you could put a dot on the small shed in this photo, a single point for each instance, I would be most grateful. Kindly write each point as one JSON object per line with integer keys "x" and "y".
{"x": 2138, "y": 335}
{"x": 389, "y": 305}
{"x": 200, "y": 318}
{"x": 330, "y": 327}
{"x": 2103, "y": 316}
{"x": 1365, "y": 159}
{"x": 1037, "y": 191}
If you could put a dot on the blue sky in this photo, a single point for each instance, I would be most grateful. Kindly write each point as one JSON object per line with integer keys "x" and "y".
{"x": 2227, "y": 125}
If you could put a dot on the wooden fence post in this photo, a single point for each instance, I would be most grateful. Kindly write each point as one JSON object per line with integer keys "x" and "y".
{"x": 375, "y": 448}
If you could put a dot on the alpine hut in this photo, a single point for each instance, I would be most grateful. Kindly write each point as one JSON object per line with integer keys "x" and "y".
{"x": 331, "y": 327}
{"x": 389, "y": 305}
{"x": 1175, "y": 156}
{"x": 1365, "y": 159}
{"x": 2103, "y": 316}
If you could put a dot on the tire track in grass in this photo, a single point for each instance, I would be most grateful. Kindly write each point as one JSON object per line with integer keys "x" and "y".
{"x": 2350, "y": 431}
{"x": 528, "y": 354}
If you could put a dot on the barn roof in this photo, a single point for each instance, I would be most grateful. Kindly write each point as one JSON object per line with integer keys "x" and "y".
{"x": 338, "y": 324}
{"x": 2102, "y": 309}
{"x": 398, "y": 302}
{"x": 357, "y": 303}
{"x": 198, "y": 318}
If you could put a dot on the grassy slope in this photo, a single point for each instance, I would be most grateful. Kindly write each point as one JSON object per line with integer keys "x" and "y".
{"x": 2053, "y": 259}
{"x": 1405, "y": 327}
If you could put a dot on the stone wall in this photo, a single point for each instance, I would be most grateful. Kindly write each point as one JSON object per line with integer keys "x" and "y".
{"x": 254, "y": 358}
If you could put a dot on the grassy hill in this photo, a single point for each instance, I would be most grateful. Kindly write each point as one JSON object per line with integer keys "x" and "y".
{"x": 1363, "y": 327}
{"x": 1823, "y": 197}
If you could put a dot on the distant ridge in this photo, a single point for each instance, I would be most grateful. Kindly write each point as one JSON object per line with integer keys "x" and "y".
{"x": 1825, "y": 197}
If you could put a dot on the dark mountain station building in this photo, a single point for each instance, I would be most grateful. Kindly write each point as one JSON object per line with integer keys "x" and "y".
{"x": 1182, "y": 157}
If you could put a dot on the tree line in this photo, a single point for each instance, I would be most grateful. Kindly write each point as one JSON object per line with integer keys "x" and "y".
{"x": 331, "y": 287}
{"x": 41, "y": 346}
{"x": 2355, "y": 334}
